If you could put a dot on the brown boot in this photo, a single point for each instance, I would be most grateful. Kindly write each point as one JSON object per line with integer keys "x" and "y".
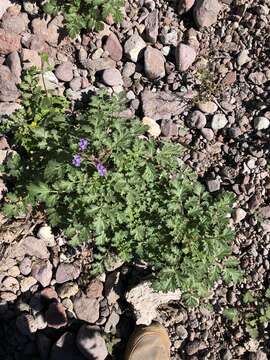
{"x": 149, "y": 343}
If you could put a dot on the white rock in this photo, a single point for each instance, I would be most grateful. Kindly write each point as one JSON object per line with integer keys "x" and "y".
{"x": 239, "y": 215}
{"x": 208, "y": 107}
{"x": 50, "y": 80}
{"x": 219, "y": 121}
{"x": 27, "y": 282}
{"x": 45, "y": 234}
{"x": 153, "y": 127}
{"x": 4, "y": 5}
{"x": 243, "y": 58}
{"x": 145, "y": 301}
{"x": 134, "y": 46}
{"x": 261, "y": 123}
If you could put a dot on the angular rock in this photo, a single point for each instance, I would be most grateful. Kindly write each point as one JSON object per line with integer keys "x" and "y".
{"x": 94, "y": 289}
{"x": 184, "y": 6}
{"x": 45, "y": 234}
{"x": 8, "y": 89}
{"x": 30, "y": 246}
{"x": 261, "y": 123}
{"x": 66, "y": 272}
{"x": 162, "y": 104}
{"x": 195, "y": 346}
{"x": 65, "y": 348}
{"x": 4, "y": 5}
{"x": 48, "y": 32}
{"x": 56, "y": 316}
{"x": 14, "y": 63}
{"x": 185, "y": 56}
{"x": 145, "y": 301}
{"x": 42, "y": 272}
{"x": 133, "y": 47}
{"x": 213, "y": 185}
{"x": 243, "y": 58}
{"x": 86, "y": 309}
{"x": 113, "y": 47}
{"x": 68, "y": 290}
{"x": 258, "y": 78}
{"x": 25, "y": 266}
{"x": 90, "y": 343}
{"x": 154, "y": 63}
{"x": 153, "y": 127}
{"x": 30, "y": 58}
{"x": 205, "y": 12}
{"x": 48, "y": 294}
{"x": 239, "y": 215}
{"x": 264, "y": 212}
{"x": 98, "y": 64}
{"x": 151, "y": 26}
{"x": 112, "y": 77}
{"x": 26, "y": 283}
{"x": 7, "y": 296}
{"x": 219, "y": 121}
{"x": 14, "y": 23}
{"x": 9, "y": 42}
{"x": 8, "y": 108}
{"x": 50, "y": 80}
{"x": 197, "y": 120}
{"x": 64, "y": 72}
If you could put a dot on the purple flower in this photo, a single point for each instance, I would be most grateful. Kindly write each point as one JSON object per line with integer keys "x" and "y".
{"x": 76, "y": 160}
{"x": 83, "y": 143}
{"x": 101, "y": 169}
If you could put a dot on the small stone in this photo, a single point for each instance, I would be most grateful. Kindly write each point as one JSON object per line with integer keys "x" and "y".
{"x": 8, "y": 89}
{"x": 154, "y": 63}
{"x": 14, "y": 271}
{"x": 66, "y": 272}
{"x": 113, "y": 47}
{"x": 261, "y": 123}
{"x": 45, "y": 234}
{"x": 9, "y": 42}
{"x": 94, "y": 289}
{"x": 112, "y": 77}
{"x": 258, "y": 78}
{"x": 25, "y": 266}
{"x": 50, "y": 80}
{"x": 30, "y": 58}
{"x": 26, "y": 283}
{"x": 184, "y": 6}
{"x": 264, "y": 212}
{"x": 48, "y": 294}
{"x": 56, "y": 316}
{"x": 76, "y": 84}
{"x": 129, "y": 69}
{"x": 10, "y": 284}
{"x": 207, "y": 107}
{"x": 197, "y": 120}
{"x": 195, "y": 346}
{"x": 181, "y": 332}
{"x": 91, "y": 343}
{"x": 86, "y": 309}
{"x": 205, "y": 12}
{"x": 213, "y": 185}
{"x": 133, "y": 47}
{"x": 153, "y": 127}
{"x": 15, "y": 23}
{"x": 219, "y": 121}
{"x": 239, "y": 215}
{"x": 26, "y": 324}
{"x": 112, "y": 322}
{"x": 99, "y": 64}
{"x": 30, "y": 7}
{"x": 14, "y": 63}
{"x": 151, "y": 27}
{"x": 7, "y": 296}
{"x": 68, "y": 290}
{"x": 243, "y": 58}
{"x": 42, "y": 272}
{"x": 64, "y": 72}
{"x": 185, "y": 56}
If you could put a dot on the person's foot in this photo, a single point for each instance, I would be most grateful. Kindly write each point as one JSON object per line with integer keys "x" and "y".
{"x": 149, "y": 343}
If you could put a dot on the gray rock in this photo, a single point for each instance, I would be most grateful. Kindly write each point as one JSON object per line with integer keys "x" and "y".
{"x": 65, "y": 348}
{"x": 219, "y": 121}
{"x": 213, "y": 185}
{"x": 8, "y": 89}
{"x": 15, "y": 23}
{"x": 184, "y": 6}
{"x": 42, "y": 272}
{"x": 14, "y": 63}
{"x": 195, "y": 346}
{"x": 151, "y": 27}
{"x": 66, "y": 272}
{"x": 207, "y": 107}
{"x": 91, "y": 343}
{"x": 113, "y": 47}
{"x": 197, "y": 120}
{"x": 8, "y": 108}
{"x": 257, "y": 78}
{"x": 98, "y": 64}
{"x": 112, "y": 77}
{"x": 181, "y": 332}
{"x": 261, "y": 123}
{"x": 243, "y": 58}
{"x": 154, "y": 63}
{"x": 25, "y": 266}
{"x": 239, "y": 215}
{"x": 30, "y": 246}
{"x": 162, "y": 105}
{"x": 129, "y": 69}
{"x": 205, "y": 12}
{"x": 64, "y": 72}
{"x": 9, "y": 42}
{"x": 4, "y": 5}
{"x": 185, "y": 56}
{"x": 133, "y": 47}
{"x": 86, "y": 309}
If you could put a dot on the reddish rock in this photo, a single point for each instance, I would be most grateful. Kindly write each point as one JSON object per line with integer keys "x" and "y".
{"x": 64, "y": 72}
{"x": 14, "y": 63}
{"x": 112, "y": 77}
{"x": 151, "y": 26}
{"x": 185, "y": 56}
{"x": 9, "y": 42}
{"x": 56, "y": 316}
{"x": 15, "y": 23}
{"x": 94, "y": 289}
{"x": 66, "y": 272}
{"x": 8, "y": 88}
{"x": 48, "y": 294}
{"x": 113, "y": 47}
{"x": 86, "y": 309}
{"x": 42, "y": 272}
{"x": 205, "y": 12}
{"x": 30, "y": 58}
{"x": 154, "y": 63}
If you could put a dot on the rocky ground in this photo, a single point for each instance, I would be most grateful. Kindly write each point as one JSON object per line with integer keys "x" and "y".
{"x": 200, "y": 77}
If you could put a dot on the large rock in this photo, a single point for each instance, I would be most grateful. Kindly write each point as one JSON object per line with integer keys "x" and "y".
{"x": 8, "y": 108}
{"x": 91, "y": 343}
{"x": 86, "y": 309}
{"x": 112, "y": 77}
{"x": 9, "y": 42}
{"x": 14, "y": 63}
{"x": 162, "y": 104}
{"x": 64, "y": 72}
{"x": 8, "y": 88}
{"x": 151, "y": 27}
{"x": 184, "y": 6}
{"x": 145, "y": 301}
{"x": 154, "y": 63}
{"x": 42, "y": 272}
{"x": 15, "y": 23}
{"x": 29, "y": 246}
{"x": 65, "y": 348}
{"x": 113, "y": 47}
{"x": 48, "y": 31}
{"x": 205, "y": 12}
{"x": 66, "y": 272}
{"x": 185, "y": 56}
{"x": 133, "y": 47}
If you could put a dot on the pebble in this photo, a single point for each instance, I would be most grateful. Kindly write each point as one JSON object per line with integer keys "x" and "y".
{"x": 153, "y": 127}
{"x": 112, "y": 77}
{"x": 91, "y": 343}
{"x": 10, "y": 284}
{"x": 66, "y": 272}
{"x": 208, "y": 134}
{"x": 197, "y": 120}
{"x": 113, "y": 47}
{"x": 14, "y": 63}
{"x": 243, "y": 58}
{"x": 64, "y": 72}
{"x": 94, "y": 289}
{"x": 154, "y": 63}
{"x": 261, "y": 123}
{"x": 25, "y": 266}
{"x": 239, "y": 215}
{"x": 86, "y": 309}
{"x": 213, "y": 185}
{"x": 205, "y": 12}
{"x": 181, "y": 332}
{"x": 219, "y": 121}
{"x": 208, "y": 107}
{"x": 133, "y": 47}
{"x": 185, "y": 56}
{"x": 26, "y": 283}
{"x": 42, "y": 272}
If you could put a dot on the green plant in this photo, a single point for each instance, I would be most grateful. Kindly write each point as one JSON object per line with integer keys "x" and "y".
{"x": 231, "y": 314}
{"x": 100, "y": 180}
{"x": 85, "y": 14}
